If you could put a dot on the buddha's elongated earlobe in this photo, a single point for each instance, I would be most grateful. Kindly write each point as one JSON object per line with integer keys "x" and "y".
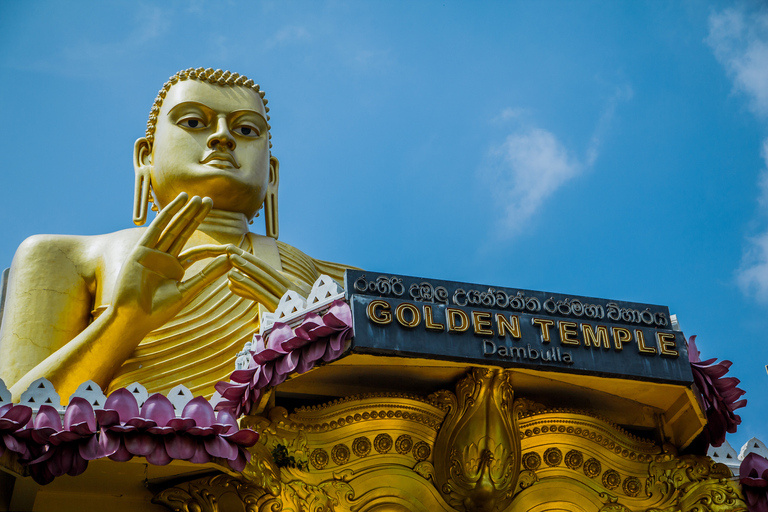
{"x": 141, "y": 197}
{"x": 270, "y": 201}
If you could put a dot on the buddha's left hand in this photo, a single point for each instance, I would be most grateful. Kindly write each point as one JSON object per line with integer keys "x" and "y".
{"x": 250, "y": 277}
{"x": 253, "y": 278}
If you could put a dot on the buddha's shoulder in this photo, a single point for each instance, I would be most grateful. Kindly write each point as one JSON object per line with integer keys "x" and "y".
{"x": 80, "y": 250}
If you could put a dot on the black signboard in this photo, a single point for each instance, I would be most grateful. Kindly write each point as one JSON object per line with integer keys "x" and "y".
{"x": 490, "y": 325}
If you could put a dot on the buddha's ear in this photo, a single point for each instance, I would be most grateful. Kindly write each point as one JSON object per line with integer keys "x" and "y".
{"x": 274, "y": 172}
{"x": 142, "y": 154}
{"x": 270, "y": 201}
{"x": 141, "y": 166}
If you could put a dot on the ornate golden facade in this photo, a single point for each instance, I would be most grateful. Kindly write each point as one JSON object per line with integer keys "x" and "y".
{"x": 476, "y": 449}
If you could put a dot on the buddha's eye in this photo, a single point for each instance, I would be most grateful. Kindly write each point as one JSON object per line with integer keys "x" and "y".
{"x": 247, "y": 131}
{"x": 191, "y": 122}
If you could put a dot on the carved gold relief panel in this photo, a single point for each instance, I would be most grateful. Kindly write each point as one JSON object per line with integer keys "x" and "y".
{"x": 476, "y": 449}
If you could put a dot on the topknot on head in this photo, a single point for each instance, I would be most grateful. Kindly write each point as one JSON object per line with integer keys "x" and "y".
{"x": 212, "y": 76}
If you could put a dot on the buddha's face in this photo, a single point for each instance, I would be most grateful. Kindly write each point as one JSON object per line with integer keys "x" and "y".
{"x": 210, "y": 141}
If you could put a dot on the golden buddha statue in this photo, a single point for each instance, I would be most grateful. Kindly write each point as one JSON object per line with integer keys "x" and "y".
{"x": 171, "y": 303}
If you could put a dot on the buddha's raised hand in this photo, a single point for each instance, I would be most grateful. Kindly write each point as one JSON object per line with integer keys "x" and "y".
{"x": 150, "y": 287}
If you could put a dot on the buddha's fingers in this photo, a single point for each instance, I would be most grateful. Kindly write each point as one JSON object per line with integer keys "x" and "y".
{"x": 179, "y": 223}
{"x": 195, "y": 284}
{"x": 261, "y": 264}
{"x": 249, "y": 289}
{"x": 190, "y": 228}
{"x": 260, "y": 275}
{"x": 201, "y": 252}
{"x": 155, "y": 229}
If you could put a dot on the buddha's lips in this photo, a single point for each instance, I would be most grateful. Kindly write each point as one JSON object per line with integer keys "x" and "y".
{"x": 220, "y": 156}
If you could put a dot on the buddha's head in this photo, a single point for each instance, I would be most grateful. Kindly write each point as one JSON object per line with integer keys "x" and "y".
{"x": 208, "y": 135}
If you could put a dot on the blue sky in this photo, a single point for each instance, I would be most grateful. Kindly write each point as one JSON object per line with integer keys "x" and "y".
{"x": 607, "y": 149}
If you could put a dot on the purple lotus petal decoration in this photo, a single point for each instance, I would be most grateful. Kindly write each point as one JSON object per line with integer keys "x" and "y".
{"x": 180, "y": 446}
{"x": 287, "y": 363}
{"x": 123, "y": 403}
{"x": 79, "y": 416}
{"x": 305, "y": 365}
{"x": 280, "y": 332}
{"x": 719, "y": 393}
{"x": 47, "y": 422}
{"x": 158, "y": 409}
{"x": 68, "y": 448}
{"x": 12, "y": 419}
{"x": 287, "y": 351}
{"x": 159, "y": 457}
{"x": 121, "y": 431}
{"x": 201, "y": 411}
{"x": 753, "y": 476}
{"x": 230, "y": 391}
{"x": 261, "y": 378}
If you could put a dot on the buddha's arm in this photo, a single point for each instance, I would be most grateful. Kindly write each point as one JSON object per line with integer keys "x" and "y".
{"x": 148, "y": 293}
{"x": 48, "y": 303}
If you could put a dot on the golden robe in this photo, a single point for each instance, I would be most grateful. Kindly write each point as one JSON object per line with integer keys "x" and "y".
{"x": 197, "y": 348}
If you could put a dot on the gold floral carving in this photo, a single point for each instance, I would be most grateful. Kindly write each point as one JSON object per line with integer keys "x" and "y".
{"x": 553, "y": 457}
{"x": 611, "y": 479}
{"x": 477, "y": 451}
{"x": 383, "y": 443}
{"x": 632, "y": 486}
{"x": 421, "y": 451}
{"x": 592, "y": 468}
{"x": 531, "y": 461}
{"x": 340, "y": 454}
{"x": 574, "y": 459}
{"x": 213, "y": 494}
{"x": 319, "y": 458}
{"x": 404, "y": 444}
{"x": 361, "y": 446}
{"x": 694, "y": 483}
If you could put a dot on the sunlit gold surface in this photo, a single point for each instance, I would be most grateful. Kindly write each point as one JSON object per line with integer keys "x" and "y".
{"x": 480, "y": 448}
{"x": 171, "y": 303}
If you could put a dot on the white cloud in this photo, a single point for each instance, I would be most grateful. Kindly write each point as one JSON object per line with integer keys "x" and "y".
{"x": 624, "y": 93}
{"x": 286, "y": 35}
{"x": 752, "y": 276}
{"x": 510, "y": 113}
{"x": 739, "y": 40}
{"x": 532, "y": 164}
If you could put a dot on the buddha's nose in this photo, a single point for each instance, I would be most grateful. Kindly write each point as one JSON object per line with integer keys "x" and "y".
{"x": 222, "y": 136}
